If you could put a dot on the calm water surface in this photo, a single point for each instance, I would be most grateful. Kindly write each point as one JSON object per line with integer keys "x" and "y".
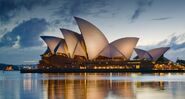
{"x": 14, "y": 85}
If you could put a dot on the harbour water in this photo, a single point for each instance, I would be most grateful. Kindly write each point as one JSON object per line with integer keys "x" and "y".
{"x": 14, "y": 85}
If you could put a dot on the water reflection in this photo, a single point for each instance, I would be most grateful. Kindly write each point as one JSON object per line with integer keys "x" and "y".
{"x": 92, "y": 86}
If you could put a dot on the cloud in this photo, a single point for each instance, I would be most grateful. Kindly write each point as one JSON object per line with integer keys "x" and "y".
{"x": 25, "y": 34}
{"x": 70, "y": 8}
{"x": 142, "y": 6}
{"x": 9, "y": 8}
{"x": 2, "y": 32}
{"x": 55, "y": 11}
{"x": 163, "y": 18}
{"x": 175, "y": 42}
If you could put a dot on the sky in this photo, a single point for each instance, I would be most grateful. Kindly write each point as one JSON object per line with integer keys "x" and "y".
{"x": 158, "y": 23}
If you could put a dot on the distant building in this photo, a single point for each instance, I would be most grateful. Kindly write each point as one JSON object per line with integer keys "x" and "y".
{"x": 179, "y": 61}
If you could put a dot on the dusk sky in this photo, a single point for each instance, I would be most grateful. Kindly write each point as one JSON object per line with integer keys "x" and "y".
{"x": 158, "y": 23}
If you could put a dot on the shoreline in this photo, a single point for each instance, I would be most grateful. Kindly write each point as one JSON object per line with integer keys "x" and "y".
{"x": 97, "y": 71}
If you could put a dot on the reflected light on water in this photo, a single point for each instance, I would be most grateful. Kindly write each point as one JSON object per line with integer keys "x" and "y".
{"x": 92, "y": 86}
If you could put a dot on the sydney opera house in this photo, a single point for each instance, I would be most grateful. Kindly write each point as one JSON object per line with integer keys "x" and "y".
{"x": 91, "y": 49}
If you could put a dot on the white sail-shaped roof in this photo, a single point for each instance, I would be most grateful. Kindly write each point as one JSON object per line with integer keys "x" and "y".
{"x": 111, "y": 52}
{"x": 73, "y": 40}
{"x": 51, "y": 42}
{"x": 158, "y": 52}
{"x": 126, "y": 45}
{"x": 79, "y": 50}
{"x": 142, "y": 54}
{"x": 94, "y": 39}
{"x": 61, "y": 47}
{"x": 153, "y": 54}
